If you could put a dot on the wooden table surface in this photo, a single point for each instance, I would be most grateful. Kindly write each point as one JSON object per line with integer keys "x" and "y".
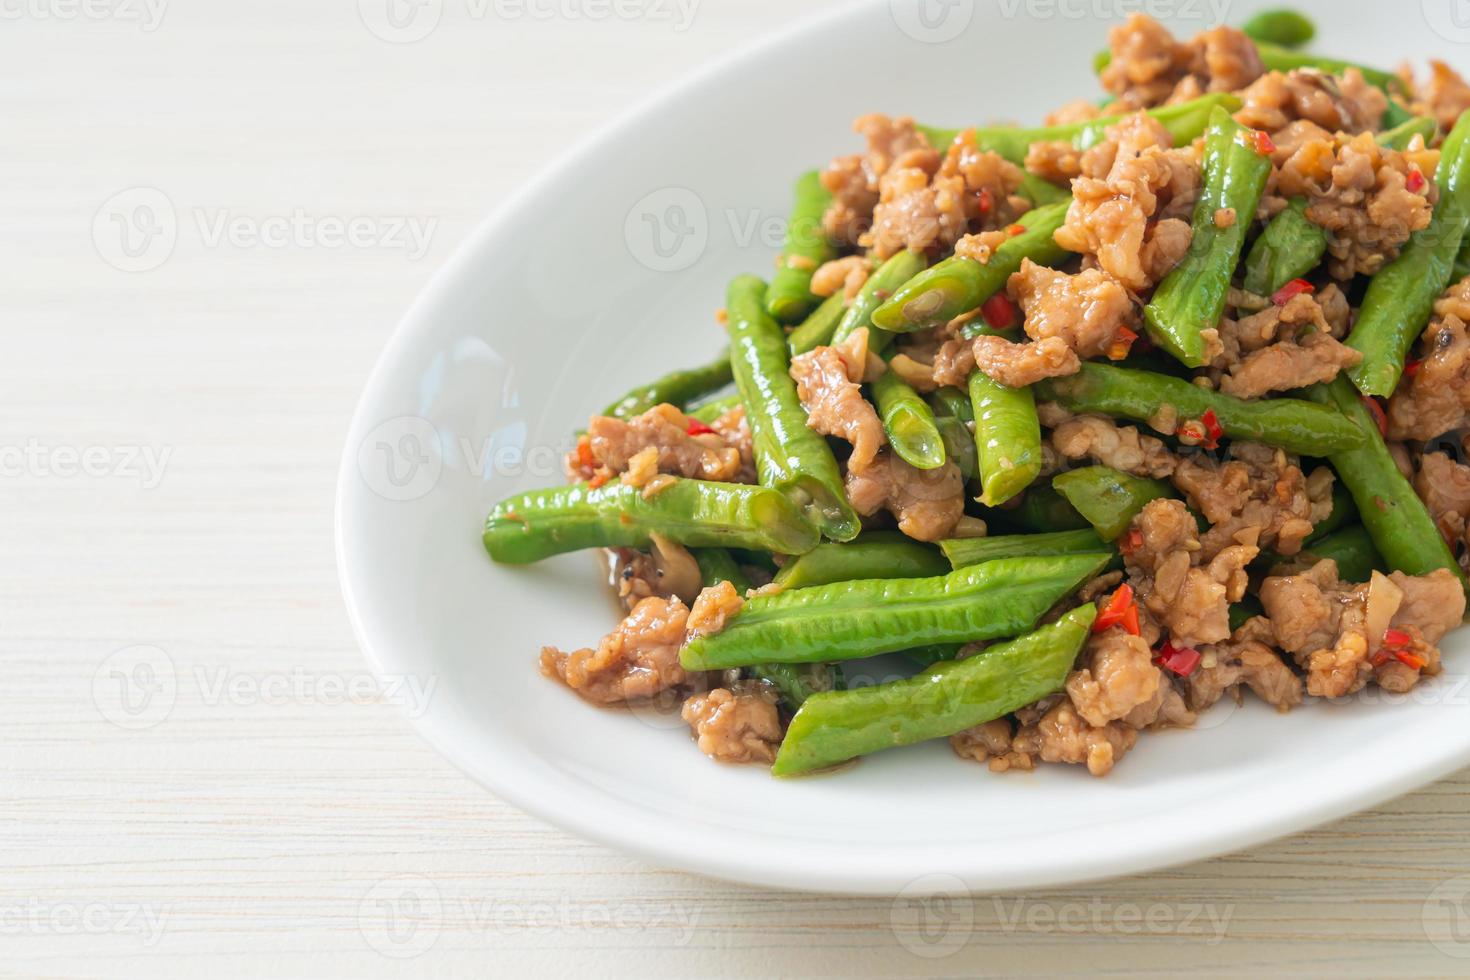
{"x": 197, "y": 775}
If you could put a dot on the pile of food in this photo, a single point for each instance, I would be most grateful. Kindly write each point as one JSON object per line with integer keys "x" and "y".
{"x": 1094, "y": 424}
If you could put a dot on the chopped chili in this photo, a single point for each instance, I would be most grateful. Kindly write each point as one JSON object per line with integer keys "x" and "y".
{"x": 697, "y": 428}
{"x": 1376, "y": 410}
{"x": 1014, "y": 230}
{"x": 1120, "y": 611}
{"x": 1396, "y": 638}
{"x": 1182, "y": 661}
{"x": 1414, "y": 183}
{"x": 1412, "y": 368}
{"x": 1131, "y": 541}
{"x": 999, "y": 311}
{"x": 1213, "y": 429}
{"x": 1258, "y": 141}
{"x": 1291, "y": 290}
{"x": 1122, "y": 344}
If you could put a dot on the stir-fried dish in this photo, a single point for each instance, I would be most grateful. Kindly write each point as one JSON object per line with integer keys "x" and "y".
{"x": 1092, "y": 424}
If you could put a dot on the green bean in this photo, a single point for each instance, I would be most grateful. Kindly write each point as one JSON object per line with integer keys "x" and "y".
{"x": 1287, "y": 423}
{"x": 1401, "y": 295}
{"x": 1352, "y": 548}
{"x": 875, "y": 292}
{"x": 678, "y": 388}
{"x": 816, "y": 330}
{"x": 958, "y": 284}
{"x": 1398, "y": 137}
{"x": 848, "y": 620}
{"x": 1192, "y": 296}
{"x": 959, "y": 444}
{"x": 953, "y": 401}
{"x": 1396, "y": 114}
{"x": 908, "y": 422}
{"x": 542, "y": 523}
{"x": 1286, "y": 28}
{"x": 928, "y": 656}
{"x": 1397, "y": 519}
{"x": 873, "y": 554}
{"x": 974, "y": 551}
{"x": 941, "y": 700}
{"x": 1344, "y": 512}
{"x": 1277, "y": 58}
{"x": 1185, "y": 122}
{"x": 1007, "y": 438}
{"x": 1109, "y": 499}
{"x": 709, "y": 411}
{"x": 789, "y": 297}
{"x": 796, "y": 683}
{"x": 1248, "y": 608}
{"x": 1290, "y": 246}
{"x": 1462, "y": 261}
{"x": 1042, "y": 509}
{"x": 1042, "y": 192}
{"x": 789, "y": 456}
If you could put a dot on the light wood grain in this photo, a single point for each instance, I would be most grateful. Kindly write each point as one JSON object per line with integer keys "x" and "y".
{"x": 260, "y": 835}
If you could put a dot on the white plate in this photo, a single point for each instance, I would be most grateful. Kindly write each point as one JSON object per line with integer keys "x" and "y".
{"x": 562, "y": 300}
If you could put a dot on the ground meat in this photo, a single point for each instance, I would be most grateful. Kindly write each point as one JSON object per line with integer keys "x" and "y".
{"x": 1128, "y": 185}
{"x": 981, "y": 247}
{"x": 1436, "y": 398}
{"x": 853, "y": 181}
{"x": 1149, "y": 67}
{"x": 1055, "y": 160}
{"x": 737, "y": 724}
{"x": 1444, "y": 486}
{"x": 1443, "y": 95}
{"x": 636, "y": 660}
{"x": 713, "y": 608}
{"x": 1285, "y": 366}
{"x": 1067, "y": 318}
{"x": 927, "y": 503}
{"x": 1121, "y": 447}
{"x": 930, "y": 208}
{"x": 1078, "y": 110}
{"x": 1244, "y": 659}
{"x": 614, "y": 443}
{"x": 847, "y": 274}
{"x": 828, "y": 385}
{"x": 953, "y": 362}
{"x": 991, "y": 743}
{"x": 1117, "y": 675}
{"x": 634, "y": 576}
{"x": 1261, "y": 491}
{"x": 1189, "y": 599}
{"x": 1335, "y": 102}
{"x": 735, "y": 430}
{"x": 1062, "y": 735}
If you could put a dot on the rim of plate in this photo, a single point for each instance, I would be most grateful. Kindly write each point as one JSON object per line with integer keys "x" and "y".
{"x": 884, "y": 872}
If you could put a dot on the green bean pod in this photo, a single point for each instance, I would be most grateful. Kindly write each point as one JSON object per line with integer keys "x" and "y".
{"x": 849, "y": 620}
{"x": 1041, "y": 510}
{"x": 1108, "y": 498}
{"x": 1344, "y": 513}
{"x": 958, "y": 284}
{"x": 1041, "y": 192}
{"x": 908, "y": 422}
{"x": 1248, "y": 608}
{"x": 1192, "y": 296}
{"x": 709, "y": 411}
{"x": 678, "y": 388}
{"x": 536, "y": 525}
{"x": 974, "y": 551}
{"x": 959, "y": 444}
{"x": 817, "y": 330}
{"x": 1351, "y": 547}
{"x": 789, "y": 456}
{"x": 953, "y": 401}
{"x": 883, "y": 283}
{"x": 1185, "y": 122}
{"x": 1288, "y": 423}
{"x": 873, "y": 554}
{"x": 1401, "y": 295}
{"x": 789, "y": 297}
{"x": 795, "y": 682}
{"x": 1284, "y": 28}
{"x": 937, "y": 702}
{"x": 1290, "y": 247}
{"x": 1007, "y": 438}
{"x": 1395, "y": 517}
{"x": 1398, "y": 137}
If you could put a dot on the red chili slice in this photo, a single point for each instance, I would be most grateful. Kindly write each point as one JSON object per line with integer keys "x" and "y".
{"x": 1412, "y": 368}
{"x": 999, "y": 311}
{"x": 1182, "y": 661}
{"x": 1116, "y": 611}
{"x": 1376, "y": 410}
{"x": 1396, "y": 638}
{"x": 1258, "y": 141}
{"x": 1409, "y": 660}
{"x": 1014, "y": 230}
{"x": 1414, "y": 183}
{"x": 1131, "y": 541}
{"x": 697, "y": 428}
{"x": 1213, "y": 430}
{"x": 1122, "y": 344}
{"x": 1292, "y": 289}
